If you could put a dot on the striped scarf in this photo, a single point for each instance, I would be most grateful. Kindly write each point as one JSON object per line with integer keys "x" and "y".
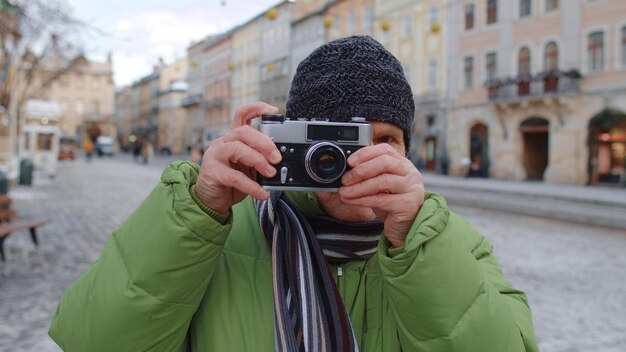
{"x": 309, "y": 314}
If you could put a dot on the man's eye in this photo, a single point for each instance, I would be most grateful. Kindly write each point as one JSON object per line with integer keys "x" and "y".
{"x": 384, "y": 139}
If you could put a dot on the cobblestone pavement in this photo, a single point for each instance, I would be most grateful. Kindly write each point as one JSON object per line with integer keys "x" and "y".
{"x": 574, "y": 275}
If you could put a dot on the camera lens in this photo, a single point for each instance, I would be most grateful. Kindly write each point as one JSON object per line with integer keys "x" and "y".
{"x": 325, "y": 162}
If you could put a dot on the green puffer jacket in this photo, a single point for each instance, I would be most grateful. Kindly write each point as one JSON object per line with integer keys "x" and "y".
{"x": 176, "y": 277}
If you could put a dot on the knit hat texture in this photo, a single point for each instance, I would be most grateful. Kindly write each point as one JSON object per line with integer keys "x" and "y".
{"x": 352, "y": 77}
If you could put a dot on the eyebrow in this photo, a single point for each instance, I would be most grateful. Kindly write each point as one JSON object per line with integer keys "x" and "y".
{"x": 387, "y": 130}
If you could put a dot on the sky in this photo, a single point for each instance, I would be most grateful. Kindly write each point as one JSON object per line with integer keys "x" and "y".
{"x": 139, "y": 32}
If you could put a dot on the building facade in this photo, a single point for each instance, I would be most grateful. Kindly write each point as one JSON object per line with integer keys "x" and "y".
{"x": 539, "y": 90}
{"x": 218, "y": 66}
{"x": 172, "y": 117}
{"x": 194, "y": 103}
{"x": 308, "y": 32}
{"x": 124, "y": 117}
{"x": 274, "y": 54}
{"x": 414, "y": 32}
{"x": 349, "y": 17}
{"x": 145, "y": 126}
{"x": 246, "y": 69}
{"x": 86, "y": 94}
{"x": 9, "y": 34}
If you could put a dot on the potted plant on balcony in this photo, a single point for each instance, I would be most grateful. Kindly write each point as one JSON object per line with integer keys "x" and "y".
{"x": 551, "y": 80}
{"x": 492, "y": 86}
{"x": 523, "y": 84}
{"x": 573, "y": 73}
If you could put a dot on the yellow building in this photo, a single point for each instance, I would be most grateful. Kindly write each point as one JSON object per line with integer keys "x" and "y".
{"x": 172, "y": 117}
{"x": 413, "y": 31}
{"x": 349, "y": 17}
{"x": 9, "y": 17}
{"x": 86, "y": 94}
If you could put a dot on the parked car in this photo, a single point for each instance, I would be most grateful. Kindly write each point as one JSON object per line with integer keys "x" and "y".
{"x": 166, "y": 151}
{"x": 104, "y": 146}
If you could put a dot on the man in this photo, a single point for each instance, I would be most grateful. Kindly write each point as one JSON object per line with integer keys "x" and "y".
{"x": 211, "y": 261}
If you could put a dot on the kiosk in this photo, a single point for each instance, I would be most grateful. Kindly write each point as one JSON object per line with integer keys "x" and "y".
{"x": 39, "y": 140}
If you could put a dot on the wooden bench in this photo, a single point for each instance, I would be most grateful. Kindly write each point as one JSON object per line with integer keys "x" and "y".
{"x": 10, "y": 222}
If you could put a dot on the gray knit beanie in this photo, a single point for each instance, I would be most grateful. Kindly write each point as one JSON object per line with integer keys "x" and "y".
{"x": 353, "y": 76}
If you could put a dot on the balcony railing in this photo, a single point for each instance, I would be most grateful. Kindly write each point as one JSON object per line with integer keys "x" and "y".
{"x": 214, "y": 103}
{"x": 540, "y": 86}
{"x": 192, "y": 100}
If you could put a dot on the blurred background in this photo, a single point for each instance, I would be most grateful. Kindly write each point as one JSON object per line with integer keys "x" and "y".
{"x": 520, "y": 122}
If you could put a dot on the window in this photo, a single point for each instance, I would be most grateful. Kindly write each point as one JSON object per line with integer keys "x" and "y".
{"x": 406, "y": 26}
{"x": 433, "y": 16}
{"x": 64, "y": 80}
{"x": 80, "y": 81}
{"x": 351, "y": 23}
{"x": 595, "y": 51}
{"x": 551, "y": 57}
{"x": 525, "y": 8}
{"x": 80, "y": 107}
{"x": 44, "y": 141}
{"x": 96, "y": 83}
{"x": 492, "y": 11}
{"x": 384, "y": 40}
{"x": 27, "y": 141}
{"x": 95, "y": 106}
{"x": 552, "y": 5}
{"x": 491, "y": 66}
{"x": 469, "y": 17}
{"x": 432, "y": 74}
{"x": 367, "y": 18}
{"x": 407, "y": 71}
{"x": 468, "y": 72}
{"x": 523, "y": 62}
{"x": 337, "y": 27}
{"x": 623, "y": 47}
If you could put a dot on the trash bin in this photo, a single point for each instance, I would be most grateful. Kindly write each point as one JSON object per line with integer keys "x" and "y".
{"x": 26, "y": 172}
{"x": 4, "y": 183}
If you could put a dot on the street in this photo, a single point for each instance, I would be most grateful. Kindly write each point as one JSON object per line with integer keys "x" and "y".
{"x": 573, "y": 274}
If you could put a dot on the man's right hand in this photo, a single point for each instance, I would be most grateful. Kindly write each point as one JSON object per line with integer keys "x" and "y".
{"x": 230, "y": 164}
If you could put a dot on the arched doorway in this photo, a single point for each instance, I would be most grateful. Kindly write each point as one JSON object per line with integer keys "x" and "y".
{"x": 536, "y": 136}
{"x": 479, "y": 151}
{"x": 607, "y": 147}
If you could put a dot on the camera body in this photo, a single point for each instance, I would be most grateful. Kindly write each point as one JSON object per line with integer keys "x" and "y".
{"x": 314, "y": 152}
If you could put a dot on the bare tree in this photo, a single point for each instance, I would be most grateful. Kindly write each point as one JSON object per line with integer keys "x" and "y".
{"x": 37, "y": 47}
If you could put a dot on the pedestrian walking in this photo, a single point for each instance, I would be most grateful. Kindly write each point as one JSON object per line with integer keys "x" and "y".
{"x": 146, "y": 151}
{"x": 137, "y": 149}
{"x": 88, "y": 148}
{"x": 196, "y": 154}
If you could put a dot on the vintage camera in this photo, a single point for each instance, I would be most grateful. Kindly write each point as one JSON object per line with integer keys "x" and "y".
{"x": 314, "y": 152}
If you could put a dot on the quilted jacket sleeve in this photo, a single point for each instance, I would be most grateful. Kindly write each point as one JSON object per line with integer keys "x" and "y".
{"x": 447, "y": 291}
{"x": 142, "y": 292}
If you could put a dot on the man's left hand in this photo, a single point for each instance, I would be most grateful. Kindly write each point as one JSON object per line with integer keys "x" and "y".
{"x": 388, "y": 183}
